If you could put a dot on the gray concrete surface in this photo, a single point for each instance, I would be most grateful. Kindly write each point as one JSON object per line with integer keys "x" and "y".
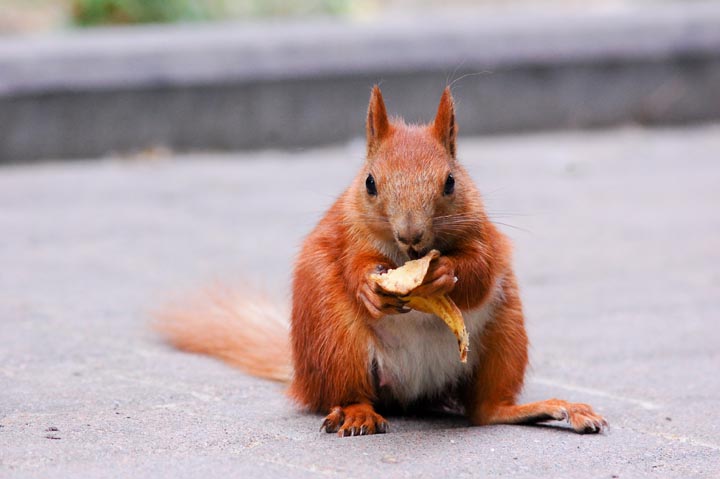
{"x": 288, "y": 84}
{"x": 617, "y": 239}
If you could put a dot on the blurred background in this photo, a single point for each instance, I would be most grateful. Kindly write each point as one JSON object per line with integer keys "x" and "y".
{"x": 153, "y": 147}
{"x": 41, "y": 15}
{"x": 85, "y": 78}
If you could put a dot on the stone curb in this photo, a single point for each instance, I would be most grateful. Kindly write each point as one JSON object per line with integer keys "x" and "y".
{"x": 288, "y": 84}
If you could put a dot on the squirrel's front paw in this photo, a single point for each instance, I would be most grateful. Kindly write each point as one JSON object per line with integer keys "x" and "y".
{"x": 440, "y": 278}
{"x": 378, "y": 302}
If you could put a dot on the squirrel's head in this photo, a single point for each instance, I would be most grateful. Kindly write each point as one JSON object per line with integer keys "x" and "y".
{"x": 412, "y": 191}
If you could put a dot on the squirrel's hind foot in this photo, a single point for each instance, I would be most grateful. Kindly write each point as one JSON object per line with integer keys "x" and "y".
{"x": 354, "y": 420}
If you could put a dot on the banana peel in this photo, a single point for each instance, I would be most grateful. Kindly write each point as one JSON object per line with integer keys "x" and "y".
{"x": 403, "y": 280}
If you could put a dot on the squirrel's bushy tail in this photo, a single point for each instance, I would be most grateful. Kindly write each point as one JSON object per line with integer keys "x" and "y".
{"x": 247, "y": 331}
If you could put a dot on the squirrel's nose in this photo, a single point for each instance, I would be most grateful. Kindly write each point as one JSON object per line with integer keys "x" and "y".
{"x": 410, "y": 238}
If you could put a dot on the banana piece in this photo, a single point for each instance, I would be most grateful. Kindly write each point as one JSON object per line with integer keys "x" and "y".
{"x": 444, "y": 308}
{"x": 402, "y": 281}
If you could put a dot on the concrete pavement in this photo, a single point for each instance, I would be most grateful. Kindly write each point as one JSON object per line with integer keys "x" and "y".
{"x": 617, "y": 239}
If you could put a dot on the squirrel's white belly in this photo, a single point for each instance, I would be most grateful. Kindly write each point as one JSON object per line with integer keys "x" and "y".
{"x": 417, "y": 354}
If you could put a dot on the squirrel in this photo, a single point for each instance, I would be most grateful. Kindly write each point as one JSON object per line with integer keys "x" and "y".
{"x": 353, "y": 350}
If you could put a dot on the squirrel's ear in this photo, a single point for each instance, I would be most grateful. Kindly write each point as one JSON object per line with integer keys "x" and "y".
{"x": 444, "y": 127}
{"x": 377, "y": 125}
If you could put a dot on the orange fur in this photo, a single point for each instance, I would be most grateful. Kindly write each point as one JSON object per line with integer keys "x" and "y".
{"x": 246, "y": 331}
{"x": 401, "y": 204}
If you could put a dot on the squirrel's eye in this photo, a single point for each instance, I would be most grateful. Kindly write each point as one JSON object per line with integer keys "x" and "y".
{"x": 449, "y": 185}
{"x": 370, "y": 185}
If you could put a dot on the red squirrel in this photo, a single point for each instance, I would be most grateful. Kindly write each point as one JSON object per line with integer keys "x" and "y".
{"x": 357, "y": 349}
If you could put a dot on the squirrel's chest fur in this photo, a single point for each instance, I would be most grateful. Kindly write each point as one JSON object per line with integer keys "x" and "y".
{"x": 417, "y": 355}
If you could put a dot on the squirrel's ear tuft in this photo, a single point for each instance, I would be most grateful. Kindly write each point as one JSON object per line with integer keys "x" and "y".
{"x": 377, "y": 126}
{"x": 444, "y": 127}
